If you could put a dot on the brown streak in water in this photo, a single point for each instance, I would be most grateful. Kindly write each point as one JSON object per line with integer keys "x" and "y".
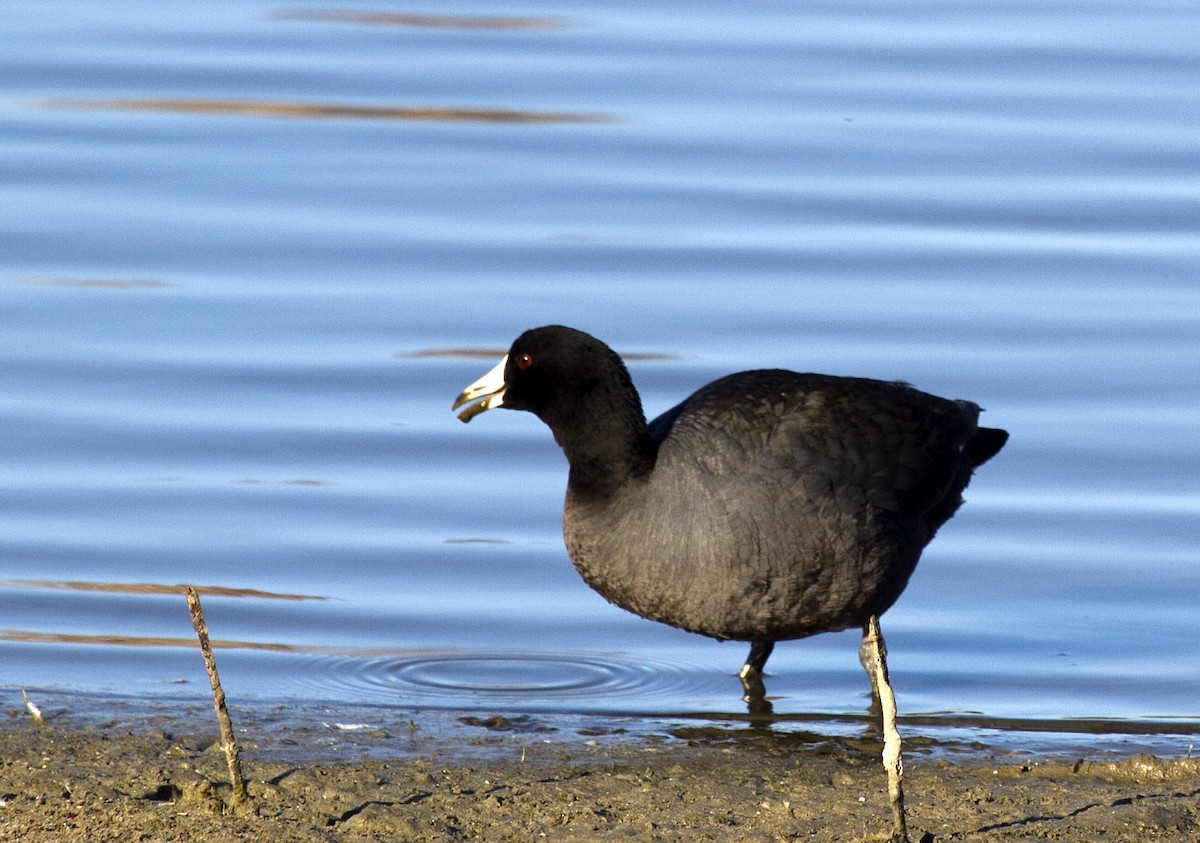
{"x": 98, "y": 283}
{"x": 472, "y": 353}
{"x": 27, "y": 637}
{"x": 299, "y": 481}
{"x": 155, "y": 588}
{"x": 421, "y": 20}
{"x": 256, "y": 108}
{"x": 492, "y": 353}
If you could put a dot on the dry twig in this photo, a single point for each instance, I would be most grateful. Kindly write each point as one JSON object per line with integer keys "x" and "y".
{"x": 228, "y": 741}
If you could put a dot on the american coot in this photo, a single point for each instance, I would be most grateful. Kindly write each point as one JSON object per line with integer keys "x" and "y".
{"x": 770, "y": 505}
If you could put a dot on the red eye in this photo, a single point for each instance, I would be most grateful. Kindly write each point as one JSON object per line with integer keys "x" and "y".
{"x": 524, "y": 361}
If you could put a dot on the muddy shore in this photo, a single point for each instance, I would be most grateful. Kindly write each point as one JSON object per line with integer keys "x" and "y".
{"x": 165, "y": 779}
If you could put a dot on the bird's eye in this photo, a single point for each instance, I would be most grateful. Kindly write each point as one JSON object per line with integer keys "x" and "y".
{"x": 524, "y": 361}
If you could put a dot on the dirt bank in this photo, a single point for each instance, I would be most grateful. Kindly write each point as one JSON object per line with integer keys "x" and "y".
{"x": 152, "y": 781}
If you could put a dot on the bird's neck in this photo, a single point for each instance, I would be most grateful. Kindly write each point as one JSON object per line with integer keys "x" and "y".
{"x": 607, "y": 453}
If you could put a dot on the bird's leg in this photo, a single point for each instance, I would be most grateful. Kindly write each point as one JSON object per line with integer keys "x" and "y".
{"x": 874, "y": 645}
{"x": 751, "y": 673}
{"x": 752, "y": 670}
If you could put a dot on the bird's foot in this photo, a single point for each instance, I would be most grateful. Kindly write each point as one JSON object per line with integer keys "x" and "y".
{"x": 752, "y": 683}
{"x": 754, "y": 692}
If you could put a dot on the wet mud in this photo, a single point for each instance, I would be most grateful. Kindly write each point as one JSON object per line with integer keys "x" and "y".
{"x": 164, "y": 779}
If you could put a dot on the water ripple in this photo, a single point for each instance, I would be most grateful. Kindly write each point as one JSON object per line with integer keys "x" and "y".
{"x": 526, "y": 680}
{"x": 422, "y": 21}
{"x": 261, "y": 108}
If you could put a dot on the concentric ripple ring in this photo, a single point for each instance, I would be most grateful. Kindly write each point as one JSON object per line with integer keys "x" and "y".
{"x": 525, "y": 679}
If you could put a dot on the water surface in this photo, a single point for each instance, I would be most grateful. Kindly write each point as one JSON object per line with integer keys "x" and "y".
{"x": 251, "y": 252}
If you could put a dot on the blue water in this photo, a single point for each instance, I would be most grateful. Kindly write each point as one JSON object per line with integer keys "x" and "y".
{"x": 250, "y": 253}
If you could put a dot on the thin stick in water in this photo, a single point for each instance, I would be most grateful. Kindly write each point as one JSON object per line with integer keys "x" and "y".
{"x": 229, "y": 742}
{"x": 36, "y": 713}
{"x": 892, "y": 760}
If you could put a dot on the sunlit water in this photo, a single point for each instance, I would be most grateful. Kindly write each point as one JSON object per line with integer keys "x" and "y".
{"x": 249, "y": 254}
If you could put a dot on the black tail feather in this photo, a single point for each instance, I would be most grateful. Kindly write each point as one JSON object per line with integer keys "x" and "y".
{"x": 985, "y": 444}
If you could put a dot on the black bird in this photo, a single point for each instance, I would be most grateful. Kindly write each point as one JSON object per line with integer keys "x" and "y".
{"x": 769, "y": 505}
